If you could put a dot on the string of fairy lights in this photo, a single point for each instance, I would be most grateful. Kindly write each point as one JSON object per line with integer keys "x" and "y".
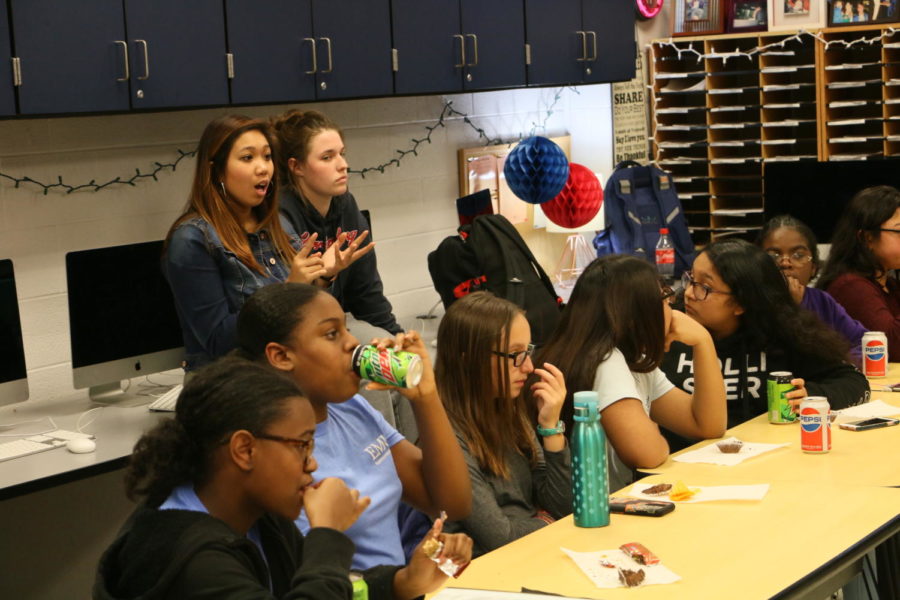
{"x": 448, "y": 114}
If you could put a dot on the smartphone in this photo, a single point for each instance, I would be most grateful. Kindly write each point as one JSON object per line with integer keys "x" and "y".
{"x": 873, "y": 423}
{"x": 637, "y": 506}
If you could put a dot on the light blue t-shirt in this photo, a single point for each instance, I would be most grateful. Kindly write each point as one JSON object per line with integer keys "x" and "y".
{"x": 354, "y": 444}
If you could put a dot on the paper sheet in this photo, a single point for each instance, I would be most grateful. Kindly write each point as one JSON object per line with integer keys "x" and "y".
{"x": 875, "y": 408}
{"x": 712, "y": 455}
{"x": 605, "y": 577}
{"x": 470, "y": 594}
{"x": 709, "y": 493}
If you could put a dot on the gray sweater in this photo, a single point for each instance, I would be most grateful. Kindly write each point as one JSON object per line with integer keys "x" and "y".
{"x": 504, "y": 510}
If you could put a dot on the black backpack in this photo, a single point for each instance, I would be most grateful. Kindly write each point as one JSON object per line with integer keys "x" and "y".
{"x": 489, "y": 254}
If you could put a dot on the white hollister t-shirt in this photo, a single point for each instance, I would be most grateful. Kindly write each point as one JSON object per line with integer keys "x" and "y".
{"x": 354, "y": 444}
{"x": 614, "y": 381}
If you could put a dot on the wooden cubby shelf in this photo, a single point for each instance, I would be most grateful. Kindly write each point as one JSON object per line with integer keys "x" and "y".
{"x": 724, "y": 106}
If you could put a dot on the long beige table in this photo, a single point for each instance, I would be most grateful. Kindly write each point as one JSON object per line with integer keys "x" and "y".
{"x": 803, "y": 540}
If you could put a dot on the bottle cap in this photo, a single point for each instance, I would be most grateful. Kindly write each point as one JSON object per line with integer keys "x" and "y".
{"x": 587, "y": 406}
{"x": 664, "y": 231}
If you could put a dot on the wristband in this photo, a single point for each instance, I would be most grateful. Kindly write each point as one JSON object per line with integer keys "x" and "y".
{"x": 328, "y": 280}
{"x": 544, "y": 432}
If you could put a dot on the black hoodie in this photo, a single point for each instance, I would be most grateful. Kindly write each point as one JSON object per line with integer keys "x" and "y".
{"x": 187, "y": 554}
{"x": 746, "y": 370}
{"x": 358, "y": 288}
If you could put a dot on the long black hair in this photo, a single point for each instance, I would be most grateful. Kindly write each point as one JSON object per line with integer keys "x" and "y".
{"x": 226, "y": 396}
{"x": 270, "y": 315}
{"x": 771, "y": 320}
{"x": 616, "y": 303}
{"x": 858, "y": 225}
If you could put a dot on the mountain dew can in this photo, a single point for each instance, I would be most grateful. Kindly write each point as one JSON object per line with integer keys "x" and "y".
{"x": 779, "y": 384}
{"x": 360, "y": 587}
{"x": 390, "y": 367}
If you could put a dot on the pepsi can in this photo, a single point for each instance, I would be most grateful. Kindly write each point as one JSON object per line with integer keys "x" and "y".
{"x": 875, "y": 354}
{"x": 815, "y": 427}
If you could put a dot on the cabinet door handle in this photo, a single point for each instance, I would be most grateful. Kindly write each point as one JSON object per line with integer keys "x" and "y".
{"x": 330, "y": 61}
{"x": 146, "y": 74}
{"x": 127, "y": 71}
{"x": 583, "y": 37}
{"x": 17, "y": 71}
{"x": 593, "y": 35}
{"x": 474, "y": 37}
{"x": 462, "y": 51}
{"x": 312, "y": 45}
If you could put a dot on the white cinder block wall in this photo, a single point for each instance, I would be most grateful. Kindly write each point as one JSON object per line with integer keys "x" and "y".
{"x": 412, "y": 206}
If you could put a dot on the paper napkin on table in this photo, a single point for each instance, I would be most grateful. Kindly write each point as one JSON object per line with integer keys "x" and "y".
{"x": 875, "y": 408}
{"x": 607, "y": 577}
{"x": 712, "y": 455}
{"x": 708, "y": 493}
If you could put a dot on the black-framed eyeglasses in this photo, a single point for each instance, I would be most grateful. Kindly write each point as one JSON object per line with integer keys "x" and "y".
{"x": 888, "y": 230}
{"x": 797, "y": 257}
{"x": 701, "y": 290}
{"x": 519, "y": 357}
{"x": 303, "y": 447}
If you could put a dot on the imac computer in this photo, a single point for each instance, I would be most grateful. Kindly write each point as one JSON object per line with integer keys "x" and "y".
{"x": 13, "y": 377}
{"x": 122, "y": 318}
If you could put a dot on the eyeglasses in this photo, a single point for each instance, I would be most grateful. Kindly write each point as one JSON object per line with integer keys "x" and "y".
{"x": 303, "y": 447}
{"x": 798, "y": 257}
{"x": 518, "y": 358}
{"x": 888, "y": 230}
{"x": 701, "y": 290}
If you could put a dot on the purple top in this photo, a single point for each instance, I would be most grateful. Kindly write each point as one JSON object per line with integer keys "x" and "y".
{"x": 833, "y": 314}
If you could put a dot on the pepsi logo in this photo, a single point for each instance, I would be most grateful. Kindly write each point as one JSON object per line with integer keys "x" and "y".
{"x": 810, "y": 420}
{"x": 875, "y": 350}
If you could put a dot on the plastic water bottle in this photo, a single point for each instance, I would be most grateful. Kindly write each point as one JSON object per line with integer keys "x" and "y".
{"x": 590, "y": 483}
{"x": 665, "y": 255}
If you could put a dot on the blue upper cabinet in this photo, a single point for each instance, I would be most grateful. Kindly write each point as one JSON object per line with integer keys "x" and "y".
{"x": 7, "y": 96}
{"x": 271, "y": 47}
{"x": 72, "y": 56}
{"x": 177, "y": 53}
{"x": 579, "y": 41}
{"x": 609, "y": 26}
{"x": 353, "y": 48}
{"x": 429, "y": 44}
{"x": 494, "y": 41}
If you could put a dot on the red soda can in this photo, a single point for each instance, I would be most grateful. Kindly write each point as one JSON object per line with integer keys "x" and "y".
{"x": 875, "y": 354}
{"x": 815, "y": 427}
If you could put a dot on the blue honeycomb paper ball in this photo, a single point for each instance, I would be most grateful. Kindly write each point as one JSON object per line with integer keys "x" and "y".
{"x": 536, "y": 170}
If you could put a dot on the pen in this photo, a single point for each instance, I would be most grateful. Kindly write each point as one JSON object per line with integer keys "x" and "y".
{"x": 894, "y": 387}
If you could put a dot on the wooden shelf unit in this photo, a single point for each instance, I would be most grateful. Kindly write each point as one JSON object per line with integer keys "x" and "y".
{"x": 719, "y": 115}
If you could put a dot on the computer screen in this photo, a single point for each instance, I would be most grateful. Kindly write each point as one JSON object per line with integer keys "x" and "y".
{"x": 817, "y": 192}
{"x": 13, "y": 377}
{"x": 122, "y": 317}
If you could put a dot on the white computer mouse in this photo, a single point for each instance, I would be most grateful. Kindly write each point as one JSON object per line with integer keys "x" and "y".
{"x": 81, "y": 446}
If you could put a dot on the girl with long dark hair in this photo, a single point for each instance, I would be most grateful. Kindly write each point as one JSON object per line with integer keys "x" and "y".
{"x": 611, "y": 339}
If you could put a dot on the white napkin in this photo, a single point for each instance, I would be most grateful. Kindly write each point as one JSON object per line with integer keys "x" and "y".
{"x": 606, "y": 577}
{"x": 708, "y": 493}
{"x": 875, "y": 408}
{"x": 712, "y": 455}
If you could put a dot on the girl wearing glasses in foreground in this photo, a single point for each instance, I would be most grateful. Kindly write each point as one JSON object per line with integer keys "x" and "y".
{"x": 483, "y": 361}
{"x": 738, "y": 294}
{"x": 792, "y": 245}
{"x": 222, "y": 483}
{"x": 865, "y": 253}
{"x": 611, "y": 339}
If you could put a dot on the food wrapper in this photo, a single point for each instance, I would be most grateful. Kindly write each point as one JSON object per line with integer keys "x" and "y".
{"x": 681, "y": 492}
{"x": 432, "y": 548}
{"x": 639, "y": 553}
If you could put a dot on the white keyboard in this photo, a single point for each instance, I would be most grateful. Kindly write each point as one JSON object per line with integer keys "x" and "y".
{"x": 166, "y": 402}
{"x": 38, "y": 443}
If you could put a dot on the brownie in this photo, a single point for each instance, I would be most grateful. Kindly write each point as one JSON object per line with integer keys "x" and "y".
{"x": 631, "y": 578}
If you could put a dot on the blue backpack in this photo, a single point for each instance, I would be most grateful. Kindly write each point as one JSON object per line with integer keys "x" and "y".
{"x": 638, "y": 201}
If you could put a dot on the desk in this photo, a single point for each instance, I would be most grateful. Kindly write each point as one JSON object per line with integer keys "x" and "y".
{"x": 803, "y": 540}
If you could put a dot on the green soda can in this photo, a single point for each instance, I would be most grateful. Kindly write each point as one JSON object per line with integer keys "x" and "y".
{"x": 777, "y": 385}
{"x": 360, "y": 587}
{"x": 390, "y": 367}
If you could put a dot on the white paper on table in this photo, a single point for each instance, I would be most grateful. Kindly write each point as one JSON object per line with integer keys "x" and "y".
{"x": 470, "y": 594}
{"x": 607, "y": 577}
{"x": 708, "y": 493}
{"x": 712, "y": 455}
{"x": 875, "y": 408}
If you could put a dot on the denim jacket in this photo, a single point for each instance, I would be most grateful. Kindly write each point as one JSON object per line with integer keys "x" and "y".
{"x": 210, "y": 284}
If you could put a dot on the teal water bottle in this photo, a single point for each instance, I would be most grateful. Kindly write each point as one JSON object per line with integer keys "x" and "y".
{"x": 590, "y": 483}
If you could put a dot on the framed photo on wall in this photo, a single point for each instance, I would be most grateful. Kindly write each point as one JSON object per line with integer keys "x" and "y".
{"x": 860, "y": 12}
{"x": 746, "y": 15}
{"x": 697, "y": 17}
{"x": 796, "y": 14}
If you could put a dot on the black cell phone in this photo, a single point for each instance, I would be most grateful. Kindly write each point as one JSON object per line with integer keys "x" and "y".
{"x": 638, "y": 506}
{"x": 873, "y": 423}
